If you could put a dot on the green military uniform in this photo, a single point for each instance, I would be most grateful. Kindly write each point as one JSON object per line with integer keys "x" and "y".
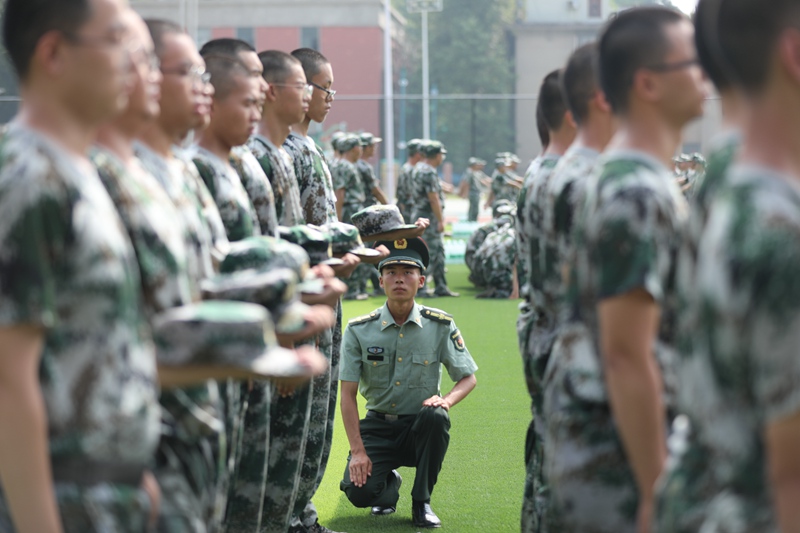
{"x": 279, "y": 168}
{"x": 68, "y": 267}
{"x": 495, "y": 259}
{"x": 258, "y": 187}
{"x": 626, "y": 238}
{"x": 502, "y": 186}
{"x": 398, "y": 366}
{"x": 405, "y": 192}
{"x": 318, "y": 200}
{"x": 475, "y": 179}
{"x": 686, "y": 491}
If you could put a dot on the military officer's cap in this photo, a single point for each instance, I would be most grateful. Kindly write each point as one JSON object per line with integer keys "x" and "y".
{"x": 432, "y": 149}
{"x": 346, "y": 239}
{"x": 475, "y": 161}
{"x": 235, "y": 335}
{"x": 368, "y": 139}
{"x": 377, "y": 219}
{"x": 313, "y": 240}
{"x": 348, "y": 142}
{"x": 412, "y": 252}
{"x": 413, "y": 146}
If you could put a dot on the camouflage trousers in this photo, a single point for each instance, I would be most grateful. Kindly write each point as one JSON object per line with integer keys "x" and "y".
{"x": 102, "y": 508}
{"x": 288, "y": 431}
{"x": 357, "y": 282}
{"x": 474, "y": 207}
{"x": 249, "y": 477}
{"x": 320, "y": 431}
{"x": 372, "y": 275}
{"x": 591, "y": 483}
{"x": 190, "y": 462}
{"x": 435, "y": 272}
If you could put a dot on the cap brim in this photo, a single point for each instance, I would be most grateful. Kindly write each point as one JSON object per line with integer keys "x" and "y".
{"x": 387, "y": 232}
{"x": 401, "y": 261}
{"x": 333, "y": 262}
{"x": 312, "y": 286}
{"x": 279, "y": 362}
{"x": 365, "y": 252}
{"x": 377, "y": 140}
{"x": 291, "y": 318}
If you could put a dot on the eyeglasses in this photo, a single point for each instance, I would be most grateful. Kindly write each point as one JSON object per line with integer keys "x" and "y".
{"x": 668, "y": 67}
{"x": 329, "y": 94}
{"x": 308, "y": 90}
{"x": 141, "y": 55}
{"x": 197, "y": 73}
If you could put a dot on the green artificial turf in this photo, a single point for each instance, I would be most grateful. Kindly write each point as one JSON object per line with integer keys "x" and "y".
{"x": 480, "y": 486}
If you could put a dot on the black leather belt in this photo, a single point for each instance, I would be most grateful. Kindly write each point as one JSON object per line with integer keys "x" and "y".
{"x": 87, "y": 472}
{"x": 385, "y": 416}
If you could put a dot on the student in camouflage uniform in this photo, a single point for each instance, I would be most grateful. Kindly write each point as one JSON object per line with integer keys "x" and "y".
{"x": 254, "y": 180}
{"x": 374, "y": 195}
{"x": 474, "y": 181}
{"x": 610, "y": 382}
{"x": 286, "y": 103}
{"x": 405, "y": 185}
{"x": 429, "y": 203}
{"x": 479, "y": 235}
{"x": 497, "y": 258}
{"x": 537, "y": 328}
{"x": 503, "y": 187}
{"x": 79, "y": 409}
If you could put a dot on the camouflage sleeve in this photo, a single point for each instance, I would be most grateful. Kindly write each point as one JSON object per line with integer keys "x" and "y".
{"x": 632, "y": 245}
{"x": 350, "y": 369}
{"x": 429, "y": 182}
{"x": 339, "y": 178}
{"x": 35, "y": 233}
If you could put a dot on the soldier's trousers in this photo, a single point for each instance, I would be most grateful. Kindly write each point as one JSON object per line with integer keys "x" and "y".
{"x": 435, "y": 241}
{"x": 287, "y": 440}
{"x": 320, "y": 431}
{"x": 358, "y": 279}
{"x": 474, "y": 208}
{"x": 419, "y": 440}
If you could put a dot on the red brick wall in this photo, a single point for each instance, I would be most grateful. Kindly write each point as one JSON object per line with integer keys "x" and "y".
{"x": 222, "y": 32}
{"x": 286, "y": 39}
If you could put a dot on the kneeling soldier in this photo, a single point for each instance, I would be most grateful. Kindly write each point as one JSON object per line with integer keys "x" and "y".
{"x": 392, "y": 356}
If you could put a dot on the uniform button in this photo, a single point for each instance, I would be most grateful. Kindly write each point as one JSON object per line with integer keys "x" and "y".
{"x": 401, "y": 335}
{"x": 394, "y": 405}
{"x": 397, "y": 383}
{"x": 400, "y": 359}
{"x": 374, "y": 363}
{"x": 426, "y": 362}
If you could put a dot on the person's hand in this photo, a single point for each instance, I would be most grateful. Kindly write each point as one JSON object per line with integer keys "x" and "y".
{"x": 150, "y": 486}
{"x": 360, "y": 468}
{"x": 323, "y": 271}
{"x": 318, "y": 318}
{"x": 422, "y": 223}
{"x": 440, "y": 226}
{"x": 333, "y": 289}
{"x": 447, "y": 187}
{"x": 312, "y": 360}
{"x": 350, "y": 263}
{"x": 644, "y": 515}
{"x": 437, "y": 401}
{"x": 378, "y": 258}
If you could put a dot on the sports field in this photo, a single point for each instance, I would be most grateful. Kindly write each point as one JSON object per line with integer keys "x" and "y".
{"x": 480, "y": 486}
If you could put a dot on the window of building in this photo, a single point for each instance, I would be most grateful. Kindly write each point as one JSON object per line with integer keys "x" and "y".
{"x": 309, "y": 38}
{"x": 247, "y": 35}
{"x": 596, "y": 9}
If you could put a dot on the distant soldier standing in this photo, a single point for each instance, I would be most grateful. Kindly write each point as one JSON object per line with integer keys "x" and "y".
{"x": 473, "y": 183}
{"x": 405, "y": 185}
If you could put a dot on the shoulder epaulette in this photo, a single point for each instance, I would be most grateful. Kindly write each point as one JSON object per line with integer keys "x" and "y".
{"x": 436, "y": 314}
{"x": 375, "y": 315}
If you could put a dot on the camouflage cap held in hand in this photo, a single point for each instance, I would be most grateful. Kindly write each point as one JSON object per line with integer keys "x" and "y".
{"x": 377, "y": 219}
{"x": 313, "y": 240}
{"x": 265, "y": 253}
{"x": 237, "y": 335}
{"x": 345, "y": 239}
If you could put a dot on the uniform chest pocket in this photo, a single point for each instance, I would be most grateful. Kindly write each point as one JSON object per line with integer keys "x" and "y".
{"x": 424, "y": 371}
{"x": 376, "y": 369}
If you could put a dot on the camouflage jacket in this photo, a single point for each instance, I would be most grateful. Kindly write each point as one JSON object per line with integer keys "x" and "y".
{"x": 502, "y": 188}
{"x": 258, "y": 188}
{"x": 405, "y": 189}
{"x": 67, "y": 266}
{"x": 199, "y": 214}
{"x": 317, "y": 196}
{"x": 426, "y": 181}
{"x": 225, "y": 186}
{"x": 346, "y": 177}
{"x": 475, "y": 181}
{"x": 369, "y": 179}
{"x": 496, "y": 258}
{"x": 279, "y": 168}
{"x": 738, "y": 367}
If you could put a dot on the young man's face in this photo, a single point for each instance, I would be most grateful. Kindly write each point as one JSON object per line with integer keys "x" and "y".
{"x": 97, "y": 72}
{"x": 185, "y": 99}
{"x": 146, "y": 93}
{"x": 290, "y": 97}
{"x": 353, "y": 154}
{"x": 368, "y": 151}
{"x": 234, "y": 116}
{"x": 321, "y": 102}
{"x": 683, "y": 88}
{"x": 254, "y": 67}
{"x": 401, "y": 282}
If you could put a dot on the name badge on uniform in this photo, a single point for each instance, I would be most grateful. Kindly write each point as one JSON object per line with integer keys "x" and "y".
{"x": 374, "y": 353}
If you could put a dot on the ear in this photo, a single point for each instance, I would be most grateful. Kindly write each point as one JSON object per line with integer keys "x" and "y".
{"x": 646, "y": 85}
{"x": 599, "y": 100}
{"x": 380, "y": 278}
{"x": 789, "y": 53}
{"x": 48, "y": 53}
{"x": 421, "y": 281}
{"x": 569, "y": 118}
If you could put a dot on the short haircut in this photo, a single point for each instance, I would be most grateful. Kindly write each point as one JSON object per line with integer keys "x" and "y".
{"x": 25, "y": 22}
{"x": 224, "y": 72}
{"x": 551, "y": 101}
{"x": 311, "y": 60}
{"x": 748, "y": 33}
{"x": 580, "y": 82}
{"x": 634, "y": 39}
{"x": 226, "y": 46}
{"x": 709, "y": 49}
{"x": 541, "y": 126}
{"x": 159, "y": 29}
{"x": 277, "y": 65}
